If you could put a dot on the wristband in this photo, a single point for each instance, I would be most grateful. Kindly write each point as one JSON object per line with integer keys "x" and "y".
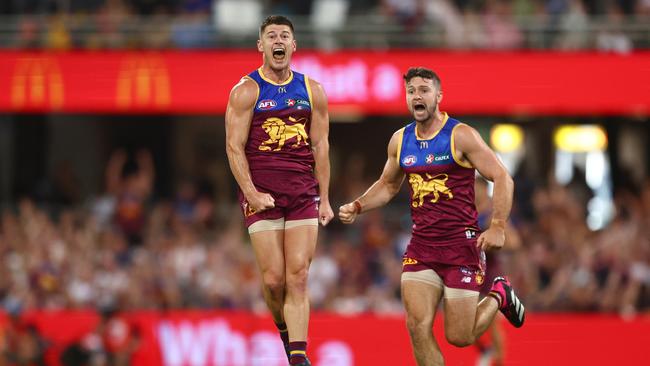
{"x": 357, "y": 206}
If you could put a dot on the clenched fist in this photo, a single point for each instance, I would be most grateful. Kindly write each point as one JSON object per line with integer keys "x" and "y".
{"x": 259, "y": 201}
{"x": 348, "y": 212}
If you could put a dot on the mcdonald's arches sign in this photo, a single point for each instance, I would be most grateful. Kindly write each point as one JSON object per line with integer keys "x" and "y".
{"x": 36, "y": 83}
{"x": 359, "y": 82}
{"x": 143, "y": 82}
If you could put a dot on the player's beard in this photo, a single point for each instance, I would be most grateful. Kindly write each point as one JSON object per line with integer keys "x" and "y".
{"x": 429, "y": 115}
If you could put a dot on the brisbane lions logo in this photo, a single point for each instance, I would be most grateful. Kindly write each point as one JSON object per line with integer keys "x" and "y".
{"x": 279, "y": 132}
{"x": 421, "y": 188}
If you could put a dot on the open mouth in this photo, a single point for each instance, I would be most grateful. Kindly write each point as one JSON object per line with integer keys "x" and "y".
{"x": 278, "y": 53}
{"x": 419, "y": 107}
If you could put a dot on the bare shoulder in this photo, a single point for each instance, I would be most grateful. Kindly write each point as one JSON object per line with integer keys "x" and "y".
{"x": 395, "y": 140}
{"x": 317, "y": 90}
{"x": 244, "y": 93}
{"x": 466, "y": 136}
{"x": 314, "y": 84}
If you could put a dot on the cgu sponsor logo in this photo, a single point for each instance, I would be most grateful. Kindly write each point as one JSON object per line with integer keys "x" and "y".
{"x": 213, "y": 343}
{"x": 410, "y": 160}
{"x": 266, "y": 104}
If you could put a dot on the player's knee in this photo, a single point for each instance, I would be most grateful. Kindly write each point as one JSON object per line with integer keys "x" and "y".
{"x": 458, "y": 339}
{"x": 297, "y": 279}
{"x": 417, "y": 326}
{"x": 275, "y": 283}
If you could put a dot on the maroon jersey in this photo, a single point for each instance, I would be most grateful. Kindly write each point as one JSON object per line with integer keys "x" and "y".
{"x": 278, "y": 137}
{"x": 442, "y": 187}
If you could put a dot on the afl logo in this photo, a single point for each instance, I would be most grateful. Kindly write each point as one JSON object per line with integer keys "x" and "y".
{"x": 410, "y": 160}
{"x": 266, "y": 104}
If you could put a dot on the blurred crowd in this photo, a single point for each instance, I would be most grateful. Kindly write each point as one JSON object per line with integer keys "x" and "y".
{"x": 611, "y": 25}
{"x": 128, "y": 250}
{"x": 132, "y": 249}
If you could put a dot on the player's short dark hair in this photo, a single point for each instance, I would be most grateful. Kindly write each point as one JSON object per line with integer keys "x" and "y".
{"x": 275, "y": 19}
{"x": 424, "y": 73}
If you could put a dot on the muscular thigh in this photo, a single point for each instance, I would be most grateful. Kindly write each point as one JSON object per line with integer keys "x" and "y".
{"x": 460, "y": 310}
{"x": 420, "y": 296}
{"x": 299, "y": 246}
{"x": 269, "y": 251}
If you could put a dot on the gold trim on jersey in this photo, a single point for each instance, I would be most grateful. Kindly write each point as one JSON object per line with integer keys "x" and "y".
{"x": 273, "y": 82}
{"x": 311, "y": 102}
{"x": 258, "y": 89}
{"x": 445, "y": 117}
{"x": 464, "y": 164}
{"x": 399, "y": 144}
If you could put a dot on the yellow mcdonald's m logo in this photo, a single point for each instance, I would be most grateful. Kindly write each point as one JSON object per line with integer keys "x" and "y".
{"x": 143, "y": 81}
{"x": 37, "y": 82}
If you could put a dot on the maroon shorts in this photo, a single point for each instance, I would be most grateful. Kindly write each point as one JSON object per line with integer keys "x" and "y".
{"x": 460, "y": 265}
{"x": 296, "y": 196}
{"x": 493, "y": 269}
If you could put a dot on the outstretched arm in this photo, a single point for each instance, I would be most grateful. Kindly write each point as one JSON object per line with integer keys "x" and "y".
{"x": 471, "y": 148}
{"x": 239, "y": 114}
{"x": 114, "y": 171}
{"x": 382, "y": 191}
{"x": 318, "y": 134}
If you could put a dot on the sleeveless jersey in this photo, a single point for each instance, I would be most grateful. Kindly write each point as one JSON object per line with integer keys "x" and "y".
{"x": 278, "y": 137}
{"x": 441, "y": 186}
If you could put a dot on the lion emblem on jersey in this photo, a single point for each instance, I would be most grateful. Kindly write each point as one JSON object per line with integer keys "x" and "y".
{"x": 434, "y": 185}
{"x": 280, "y": 132}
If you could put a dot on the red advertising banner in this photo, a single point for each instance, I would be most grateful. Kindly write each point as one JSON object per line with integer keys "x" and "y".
{"x": 357, "y": 82}
{"x": 213, "y": 338}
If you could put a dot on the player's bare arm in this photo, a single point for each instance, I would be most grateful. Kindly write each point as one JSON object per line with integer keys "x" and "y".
{"x": 382, "y": 191}
{"x": 471, "y": 148}
{"x": 114, "y": 171}
{"x": 319, "y": 133}
{"x": 239, "y": 113}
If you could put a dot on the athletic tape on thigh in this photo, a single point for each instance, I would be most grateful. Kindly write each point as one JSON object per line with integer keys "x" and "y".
{"x": 427, "y": 276}
{"x": 266, "y": 225}
{"x": 456, "y": 293}
{"x": 295, "y": 223}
